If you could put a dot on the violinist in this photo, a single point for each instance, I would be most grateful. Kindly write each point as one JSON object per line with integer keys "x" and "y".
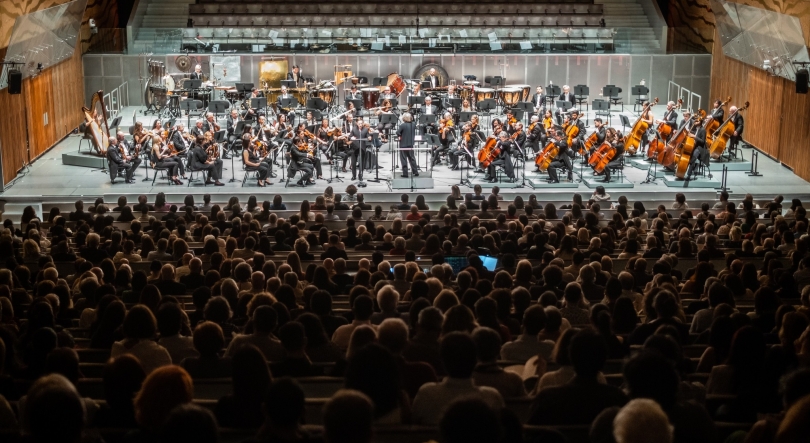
{"x": 161, "y": 159}
{"x": 670, "y": 117}
{"x": 386, "y": 108}
{"x": 210, "y": 124}
{"x": 117, "y": 158}
{"x": 700, "y": 150}
{"x": 301, "y": 161}
{"x": 446, "y": 136}
{"x": 646, "y": 116}
{"x": 509, "y": 123}
{"x": 535, "y": 134}
{"x": 252, "y": 158}
{"x": 519, "y": 137}
{"x": 616, "y": 140}
{"x": 405, "y": 134}
{"x": 197, "y": 130}
{"x": 264, "y": 133}
{"x": 497, "y": 126}
{"x": 468, "y": 143}
{"x": 141, "y": 136}
{"x": 310, "y": 120}
{"x": 307, "y": 141}
{"x": 504, "y": 159}
{"x": 324, "y": 137}
{"x": 181, "y": 141}
{"x": 563, "y": 158}
{"x": 199, "y": 161}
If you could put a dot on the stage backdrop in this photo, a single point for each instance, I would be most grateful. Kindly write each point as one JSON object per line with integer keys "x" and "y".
{"x": 690, "y": 72}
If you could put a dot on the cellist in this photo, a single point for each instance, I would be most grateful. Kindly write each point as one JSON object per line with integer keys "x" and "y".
{"x": 739, "y": 123}
{"x": 578, "y": 142}
{"x": 535, "y": 134}
{"x": 563, "y": 159}
{"x": 504, "y": 159}
{"x": 670, "y": 118}
{"x": 616, "y": 140}
{"x": 647, "y": 117}
{"x": 700, "y": 148}
{"x": 470, "y": 139}
{"x": 599, "y": 130}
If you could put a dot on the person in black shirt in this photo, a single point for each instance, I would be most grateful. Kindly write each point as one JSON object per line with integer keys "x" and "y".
{"x": 504, "y": 159}
{"x": 300, "y": 161}
{"x": 405, "y": 133}
{"x": 699, "y": 151}
{"x": 599, "y": 129}
{"x": 119, "y": 162}
{"x": 617, "y": 141}
{"x": 739, "y": 125}
{"x": 253, "y": 162}
{"x": 563, "y": 159}
{"x": 199, "y": 161}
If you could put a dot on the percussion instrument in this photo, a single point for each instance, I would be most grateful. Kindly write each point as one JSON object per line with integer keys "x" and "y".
{"x": 232, "y": 95}
{"x": 484, "y": 93}
{"x": 370, "y": 97}
{"x": 527, "y": 92}
{"x": 472, "y": 83}
{"x": 272, "y": 95}
{"x": 465, "y": 93}
{"x": 327, "y": 95}
{"x": 168, "y": 81}
{"x": 511, "y": 96}
{"x": 396, "y": 83}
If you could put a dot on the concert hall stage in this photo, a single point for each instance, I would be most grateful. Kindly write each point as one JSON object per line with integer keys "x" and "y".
{"x": 49, "y": 180}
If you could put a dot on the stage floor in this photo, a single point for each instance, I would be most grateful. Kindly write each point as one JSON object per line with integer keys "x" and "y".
{"x": 49, "y": 180}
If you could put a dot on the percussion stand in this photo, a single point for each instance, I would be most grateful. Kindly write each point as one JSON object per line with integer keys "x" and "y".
{"x": 497, "y": 82}
{"x": 486, "y": 106}
{"x": 188, "y": 106}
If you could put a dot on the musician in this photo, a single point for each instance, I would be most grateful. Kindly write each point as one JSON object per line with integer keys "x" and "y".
{"x": 563, "y": 158}
{"x": 405, "y": 134}
{"x": 468, "y": 143}
{"x": 265, "y": 133}
{"x": 283, "y": 97}
{"x": 230, "y": 127}
{"x": 519, "y": 137}
{"x": 197, "y": 74}
{"x": 197, "y": 130}
{"x": 539, "y": 100}
{"x": 429, "y": 109}
{"x": 252, "y": 158}
{"x": 210, "y": 125}
{"x": 199, "y": 161}
{"x": 162, "y": 159}
{"x": 739, "y": 125}
{"x": 359, "y": 137}
{"x": 504, "y": 159}
{"x": 387, "y": 94}
{"x": 310, "y": 120}
{"x": 141, "y": 136}
{"x": 670, "y": 117}
{"x": 510, "y": 121}
{"x": 387, "y": 108}
{"x": 700, "y": 149}
{"x": 303, "y": 137}
{"x": 432, "y": 78}
{"x": 354, "y": 94}
{"x": 535, "y": 134}
{"x": 296, "y": 76}
{"x": 565, "y": 96}
{"x": 578, "y": 141}
{"x": 180, "y": 140}
{"x": 344, "y": 144}
{"x": 465, "y": 106}
{"x": 497, "y": 126}
{"x": 323, "y": 139}
{"x": 300, "y": 161}
{"x": 617, "y": 141}
{"x": 251, "y": 113}
{"x": 157, "y": 126}
{"x": 686, "y": 117}
{"x": 446, "y": 137}
{"x": 717, "y": 112}
{"x": 599, "y": 130}
{"x": 646, "y": 116}
{"x": 120, "y": 161}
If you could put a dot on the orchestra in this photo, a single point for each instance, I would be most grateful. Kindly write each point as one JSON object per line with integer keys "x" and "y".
{"x": 549, "y": 130}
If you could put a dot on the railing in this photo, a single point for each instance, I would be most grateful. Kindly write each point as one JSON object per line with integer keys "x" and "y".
{"x": 116, "y": 100}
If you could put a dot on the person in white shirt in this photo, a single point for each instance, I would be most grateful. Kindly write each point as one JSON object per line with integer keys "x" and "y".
{"x": 458, "y": 354}
{"x": 363, "y": 308}
{"x": 527, "y": 345}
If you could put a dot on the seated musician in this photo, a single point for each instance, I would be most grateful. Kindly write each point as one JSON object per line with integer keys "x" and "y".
{"x": 310, "y": 121}
{"x": 307, "y": 137}
{"x": 686, "y": 117}
{"x": 430, "y": 108}
{"x": 252, "y": 158}
{"x": 284, "y": 129}
{"x": 210, "y": 124}
{"x": 266, "y": 133}
{"x": 386, "y": 109}
{"x": 300, "y": 161}
{"x": 157, "y": 125}
{"x": 599, "y": 129}
{"x": 446, "y": 136}
{"x": 648, "y": 117}
{"x": 230, "y": 128}
{"x": 324, "y": 138}
{"x": 565, "y": 96}
{"x": 181, "y": 140}
{"x": 519, "y": 139}
{"x": 251, "y": 113}
{"x": 121, "y": 161}
{"x": 497, "y": 126}
{"x": 465, "y": 106}
{"x": 509, "y": 122}
{"x": 286, "y": 109}
{"x": 670, "y": 117}
{"x": 504, "y": 159}
{"x": 344, "y": 144}
{"x": 387, "y": 94}
{"x": 199, "y": 161}
{"x": 563, "y": 158}
{"x": 469, "y": 141}
{"x": 700, "y": 153}
{"x": 141, "y": 137}
{"x": 579, "y": 141}
{"x": 616, "y": 140}
{"x": 354, "y": 94}
{"x": 162, "y": 159}
{"x": 739, "y": 125}
{"x": 197, "y": 130}
{"x": 535, "y": 134}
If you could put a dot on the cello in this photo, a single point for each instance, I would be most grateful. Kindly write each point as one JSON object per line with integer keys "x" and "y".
{"x": 546, "y": 156}
{"x": 639, "y": 128}
{"x": 667, "y": 157}
{"x": 602, "y": 157}
{"x": 489, "y": 152}
{"x": 714, "y": 124}
{"x": 723, "y": 133}
{"x": 684, "y": 156}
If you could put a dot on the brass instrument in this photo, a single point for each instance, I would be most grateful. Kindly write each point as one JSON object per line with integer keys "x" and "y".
{"x": 212, "y": 151}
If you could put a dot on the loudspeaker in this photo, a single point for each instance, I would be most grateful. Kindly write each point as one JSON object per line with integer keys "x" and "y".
{"x": 14, "y": 81}
{"x": 802, "y": 78}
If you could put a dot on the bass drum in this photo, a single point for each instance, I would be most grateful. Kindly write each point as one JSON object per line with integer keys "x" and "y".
{"x": 396, "y": 83}
{"x": 168, "y": 82}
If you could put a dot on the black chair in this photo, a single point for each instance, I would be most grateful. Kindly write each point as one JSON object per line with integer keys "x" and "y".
{"x": 161, "y": 169}
{"x": 85, "y": 138}
{"x": 191, "y": 171}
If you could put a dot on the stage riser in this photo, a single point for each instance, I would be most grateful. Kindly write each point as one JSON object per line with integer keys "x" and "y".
{"x": 83, "y": 160}
{"x": 672, "y": 182}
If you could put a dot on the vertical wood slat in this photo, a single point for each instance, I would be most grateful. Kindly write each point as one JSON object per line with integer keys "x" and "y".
{"x": 778, "y": 121}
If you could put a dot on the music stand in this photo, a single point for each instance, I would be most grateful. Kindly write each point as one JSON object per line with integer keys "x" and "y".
{"x": 466, "y": 116}
{"x": 416, "y": 100}
{"x": 426, "y": 119}
{"x": 379, "y": 81}
{"x": 552, "y": 92}
{"x": 425, "y": 85}
{"x": 562, "y": 107}
{"x": 288, "y": 103}
{"x": 639, "y": 91}
{"x": 188, "y": 106}
{"x": 290, "y": 84}
{"x": 455, "y": 103}
{"x": 259, "y": 103}
{"x": 316, "y": 115}
{"x": 358, "y": 104}
{"x": 602, "y": 107}
{"x": 486, "y": 106}
{"x": 611, "y": 92}
{"x": 189, "y": 83}
{"x": 116, "y": 121}
{"x": 523, "y": 107}
{"x": 218, "y": 107}
{"x": 625, "y": 122}
{"x": 581, "y": 93}
{"x": 316, "y": 103}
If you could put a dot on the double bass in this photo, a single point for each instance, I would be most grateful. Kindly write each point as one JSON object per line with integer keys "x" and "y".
{"x": 658, "y": 144}
{"x": 684, "y": 156}
{"x": 714, "y": 124}
{"x": 723, "y": 133}
{"x": 667, "y": 157}
{"x": 546, "y": 156}
{"x": 489, "y": 152}
{"x": 639, "y": 128}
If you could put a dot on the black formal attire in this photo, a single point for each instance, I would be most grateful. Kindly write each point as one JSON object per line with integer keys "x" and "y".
{"x": 208, "y": 126}
{"x": 600, "y": 138}
{"x": 617, "y": 159}
{"x": 579, "y": 140}
{"x": 699, "y": 152}
{"x": 536, "y": 137}
{"x": 520, "y": 142}
{"x": 430, "y": 128}
{"x": 181, "y": 144}
{"x": 197, "y": 132}
{"x": 455, "y": 154}
{"x": 230, "y": 127}
{"x": 445, "y": 144}
{"x": 118, "y": 162}
{"x": 671, "y": 119}
{"x": 717, "y": 114}
{"x": 356, "y": 95}
{"x": 739, "y": 125}
{"x": 297, "y": 78}
{"x": 324, "y": 142}
{"x": 196, "y": 75}
{"x": 538, "y": 102}
{"x": 433, "y": 80}
{"x": 290, "y": 114}
{"x": 263, "y": 136}
{"x": 569, "y": 97}
{"x": 198, "y": 158}
{"x": 254, "y": 158}
{"x": 504, "y": 159}
{"x": 563, "y": 159}
{"x": 406, "y": 142}
{"x": 300, "y": 162}
{"x": 171, "y": 164}
{"x": 358, "y": 147}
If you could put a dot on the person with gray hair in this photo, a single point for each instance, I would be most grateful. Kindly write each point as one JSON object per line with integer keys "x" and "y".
{"x": 119, "y": 160}
{"x": 406, "y": 136}
{"x": 642, "y": 421}
{"x": 387, "y": 300}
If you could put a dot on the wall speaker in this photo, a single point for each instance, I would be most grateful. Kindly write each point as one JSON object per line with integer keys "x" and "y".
{"x": 14, "y": 81}
{"x": 802, "y": 78}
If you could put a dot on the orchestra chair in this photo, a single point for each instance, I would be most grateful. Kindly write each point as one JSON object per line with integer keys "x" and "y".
{"x": 642, "y": 94}
{"x": 615, "y": 99}
{"x": 85, "y": 138}
{"x": 250, "y": 172}
{"x": 617, "y": 171}
{"x": 581, "y": 93}
{"x": 191, "y": 171}
{"x": 159, "y": 169}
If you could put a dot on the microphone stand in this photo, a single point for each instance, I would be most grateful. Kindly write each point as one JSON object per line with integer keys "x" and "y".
{"x": 523, "y": 166}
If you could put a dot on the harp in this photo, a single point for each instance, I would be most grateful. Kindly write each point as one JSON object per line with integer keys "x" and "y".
{"x": 96, "y": 123}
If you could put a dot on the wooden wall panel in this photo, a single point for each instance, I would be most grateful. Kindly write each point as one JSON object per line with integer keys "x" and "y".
{"x": 778, "y": 121}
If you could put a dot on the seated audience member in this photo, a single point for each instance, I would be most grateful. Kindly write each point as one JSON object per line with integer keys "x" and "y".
{"x": 139, "y": 333}
{"x": 264, "y": 323}
{"x": 209, "y": 342}
{"x": 488, "y": 372}
{"x": 163, "y": 390}
{"x": 296, "y": 363}
{"x": 170, "y": 321}
{"x": 284, "y": 409}
{"x": 348, "y": 418}
{"x": 251, "y": 380}
{"x": 528, "y": 344}
{"x": 190, "y": 423}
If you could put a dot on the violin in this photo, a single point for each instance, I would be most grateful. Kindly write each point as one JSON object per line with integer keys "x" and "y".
{"x": 513, "y": 121}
